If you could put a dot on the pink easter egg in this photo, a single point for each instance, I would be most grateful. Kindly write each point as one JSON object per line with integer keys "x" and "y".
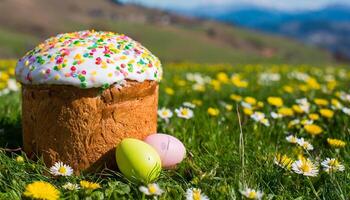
{"x": 170, "y": 149}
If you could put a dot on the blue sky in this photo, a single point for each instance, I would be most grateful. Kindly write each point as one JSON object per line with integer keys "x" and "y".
{"x": 289, "y": 5}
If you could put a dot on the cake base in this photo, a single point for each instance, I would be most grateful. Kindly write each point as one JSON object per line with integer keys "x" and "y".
{"x": 81, "y": 127}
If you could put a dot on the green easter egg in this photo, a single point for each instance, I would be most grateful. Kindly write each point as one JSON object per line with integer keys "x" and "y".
{"x": 138, "y": 161}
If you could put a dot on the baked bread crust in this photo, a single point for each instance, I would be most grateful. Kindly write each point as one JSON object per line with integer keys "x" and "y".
{"x": 81, "y": 127}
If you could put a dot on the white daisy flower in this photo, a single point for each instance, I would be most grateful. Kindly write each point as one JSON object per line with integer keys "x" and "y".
{"x": 189, "y": 105}
{"x": 195, "y": 194}
{"x": 329, "y": 77}
{"x": 60, "y": 169}
{"x": 344, "y": 96}
{"x": 12, "y": 85}
{"x": 265, "y": 122}
{"x": 185, "y": 113}
{"x": 198, "y": 78}
{"x": 260, "y": 117}
{"x": 4, "y": 91}
{"x": 71, "y": 186}
{"x": 275, "y": 115}
{"x": 198, "y": 87}
{"x": 305, "y": 144}
{"x": 332, "y": 165}
{"x": 305, "y": 167}
{"x": 227, "y": 106}
{"x": 268, "y": 78}
{"x": 299, "y": 76}
{"x": 165, "y": 114}
{"x": 301, "y": 101}
{"x": 294, "y": 122}
{"x": 305, "y": 108}
{"x": 246, "y": 105}
{"x": 151, "y": 189}
{"x": 292, "y": 139}
{"x": 303, "y": 104}
{"x": 251, "y": 193}
{"x": 346, "y": 110}
{"x": 190, "y": 76}
{"x": 336, "y": 105}
{"x": 307, "y": 122}
{"x": 342, "y": 73}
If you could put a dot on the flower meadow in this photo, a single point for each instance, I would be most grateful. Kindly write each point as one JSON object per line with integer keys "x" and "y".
{"x": 251, "y": 132}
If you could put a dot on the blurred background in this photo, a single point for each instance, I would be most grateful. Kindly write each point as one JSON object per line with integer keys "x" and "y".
{"x": 203, "y": 31}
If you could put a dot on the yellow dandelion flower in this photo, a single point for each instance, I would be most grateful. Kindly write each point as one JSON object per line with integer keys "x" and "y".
{"x": 293, "y": 123}
{"x": 236, "y": 81}
{"x": 197, "y": 102}
{"x": 313, "y": 84}
{"x": 89, "y": 185}
{"x": 180, "y": 82}
{"x": 331, "y": 85}
{"x": 20, "y": 159}
{"x": 288, "y": 89}
{"x": 321, "y": 102}
{"x": 314, "y": 116}
{"x": 247, "y": 111}
{"x": 305, "y": 121}
{"x": 336, "y": 143}
{"x": 326, "y": 113}
{"x": 242, "y": 84}
{"x": 251, "y": 100}
{"x": 297, "y": 109}
{"x": 169, "y": 91}
{"x": 4, "y": 77}
{"x": 41, "y": 190}
{"x": 235, "y": 97}
{"x": 275, "y": 101}
{"x": 228, "y": 107}
{"x": 216, "y": 84}
{"x": 336, "y": 103}
{"x": 284, "y": 111}
{"x": 260, "y": 104}
{"x": 11, "y": 71}
{"x": 283, "y": 161}
{"x": 313, "y": 129}
{"x": 222, "y": 77}
{"x": 2, "y": 85}
{"x": 303, "y": 87}
{"x": 337, "y": 94}
{"x": 213, "y": 111}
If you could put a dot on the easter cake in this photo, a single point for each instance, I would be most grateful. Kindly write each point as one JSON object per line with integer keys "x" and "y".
{"x": 82, "y": 93}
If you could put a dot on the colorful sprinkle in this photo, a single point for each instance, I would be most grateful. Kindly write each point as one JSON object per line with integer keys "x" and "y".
{"x": 88, "y": 59}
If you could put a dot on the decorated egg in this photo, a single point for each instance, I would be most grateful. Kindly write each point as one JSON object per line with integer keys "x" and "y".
{"x": 170, "y": 149}
{"x": 137, "y": 160}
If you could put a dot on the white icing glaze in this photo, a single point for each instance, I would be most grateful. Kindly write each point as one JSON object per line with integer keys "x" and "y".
{"x": 88, "y": 59}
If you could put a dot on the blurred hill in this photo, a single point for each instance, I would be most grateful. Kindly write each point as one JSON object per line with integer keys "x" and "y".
{"x": 24, "y": 23}
{"x": 327, "y": 27}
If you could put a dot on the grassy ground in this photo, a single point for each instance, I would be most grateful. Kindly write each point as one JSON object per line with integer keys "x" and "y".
{"x": 221, "y": 160}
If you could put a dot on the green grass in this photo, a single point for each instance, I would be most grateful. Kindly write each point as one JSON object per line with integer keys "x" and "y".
{"x": 215, "y": 161}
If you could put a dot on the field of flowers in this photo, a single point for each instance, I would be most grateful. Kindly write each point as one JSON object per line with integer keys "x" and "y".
{"x": 251, "y": 132}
